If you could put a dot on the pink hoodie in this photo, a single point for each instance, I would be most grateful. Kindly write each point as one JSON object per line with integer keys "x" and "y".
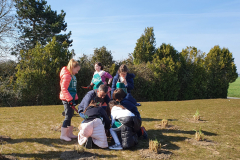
{"x": 65, "y": 79}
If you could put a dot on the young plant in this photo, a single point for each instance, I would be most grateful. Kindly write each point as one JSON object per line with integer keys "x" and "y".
{"x": 196, "y": 116}
{"x": 199, "y": 136}
{"x": 164, "y": 123}
{"x": 155, "y": 145}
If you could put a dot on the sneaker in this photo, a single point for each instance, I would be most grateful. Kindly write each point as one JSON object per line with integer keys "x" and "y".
{"x": 116, "y": 147}
{"x": 88, "y": 144}
{"x": 138, "y": 104}
{"x": 144, "y": 132}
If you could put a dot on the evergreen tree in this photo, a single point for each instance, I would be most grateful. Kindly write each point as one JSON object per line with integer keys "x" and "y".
{"x": 103, "y": 56}
{"x": 37, "y": 22}
{"x": 145, "y": 47}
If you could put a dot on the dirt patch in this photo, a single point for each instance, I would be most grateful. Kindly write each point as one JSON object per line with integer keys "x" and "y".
{"x": 57, "y": 128}
{"x": 169, "y": 127}
{"x": 163, "y": 154}
{"x": 205, "y": 142}
{"x": 73, "y": 155}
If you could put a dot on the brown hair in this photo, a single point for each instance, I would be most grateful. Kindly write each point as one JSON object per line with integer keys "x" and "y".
{"x": 122, "y": 68}
{"x": 113, "y": 103}
{"x": 99, "y": 64}
{"x": 72, "y": 64}
{"x": 119, "y": 94}
{"x": 103, "y": 88}
{"x": 92, "y": 103}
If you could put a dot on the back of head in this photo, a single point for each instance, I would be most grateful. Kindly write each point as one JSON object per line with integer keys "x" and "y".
{"x": 103, "y": 88}
{"x": 72, "y": 64}
{"x": 122, "y": 68}
{"x": 119, "y": 94}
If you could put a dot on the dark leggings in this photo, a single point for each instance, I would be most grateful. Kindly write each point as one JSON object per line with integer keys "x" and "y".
{"x": 68, "y": 114}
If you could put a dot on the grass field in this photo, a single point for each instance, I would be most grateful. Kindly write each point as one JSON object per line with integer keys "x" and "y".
{"x": 234, "y": 88}
{"x": 32, "y": 133}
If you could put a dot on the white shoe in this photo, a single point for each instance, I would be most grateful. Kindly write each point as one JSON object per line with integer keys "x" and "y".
{"x": 116, "y": 147}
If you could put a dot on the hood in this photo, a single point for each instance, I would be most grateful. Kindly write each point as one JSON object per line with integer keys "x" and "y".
{"x": 64, "y": 71}
{"x": 130, "y": 98}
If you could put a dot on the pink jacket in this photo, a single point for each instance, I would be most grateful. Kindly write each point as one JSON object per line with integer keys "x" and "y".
{"x": 94, "y": 129}
{"x": 65, "y": 79}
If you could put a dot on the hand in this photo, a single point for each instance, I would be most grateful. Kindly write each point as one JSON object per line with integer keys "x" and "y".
{"x": 124, "y": 81}
{"x": 70, "y": 103}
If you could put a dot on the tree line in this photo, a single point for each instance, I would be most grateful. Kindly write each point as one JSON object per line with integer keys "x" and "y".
{"x": 162, "y": 73}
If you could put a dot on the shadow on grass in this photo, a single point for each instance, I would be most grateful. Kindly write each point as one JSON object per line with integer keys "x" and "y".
{"x": 153, "y": 119}
{"x": 187, "y": 132}
{"x": 45, "y": 141}
{"x": 61, "y": 155}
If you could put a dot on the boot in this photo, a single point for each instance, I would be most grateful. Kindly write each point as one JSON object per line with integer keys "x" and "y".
{"x": 64, "y": 134}
{"x": 70, "y": 132}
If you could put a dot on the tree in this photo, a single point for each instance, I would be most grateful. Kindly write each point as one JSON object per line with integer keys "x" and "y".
{"x": 145, "y": 47}
{"x": 37, "y": 22}
{"x": 38, "y": 73}
{"x": 166, "y": 50}
{"x": 103, "y": 56}
{"x": 6, "y": 26}
{"x": 221, "y": 71}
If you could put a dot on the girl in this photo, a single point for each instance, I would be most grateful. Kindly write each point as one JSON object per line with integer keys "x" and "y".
{"x": 92, "y": 129}
{"x": 99, "y": 77}
{"x": 117, "y": 112}
{"x": 68, "y": 95}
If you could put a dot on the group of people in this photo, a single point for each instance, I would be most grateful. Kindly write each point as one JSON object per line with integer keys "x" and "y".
{"x": 105, "y": 110}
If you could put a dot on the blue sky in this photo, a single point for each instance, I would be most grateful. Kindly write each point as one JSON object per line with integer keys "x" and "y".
{"x": 118, "y": 24}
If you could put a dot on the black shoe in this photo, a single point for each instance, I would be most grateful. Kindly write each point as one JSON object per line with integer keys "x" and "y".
{"x": 88, "y": 144}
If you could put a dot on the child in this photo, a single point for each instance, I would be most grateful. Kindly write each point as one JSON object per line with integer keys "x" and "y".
{"x": 129, "y": 103}
{"x": 99, "y": 77}
{"x": 118, "y": 112}
{"x": 123, "y": 80}
{"x": 68, "y": 95}
{"x": 92, "y": 129}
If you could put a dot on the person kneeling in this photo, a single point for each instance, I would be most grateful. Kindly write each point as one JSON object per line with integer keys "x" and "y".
{"x": 126, "y": 123}
{"x": 92, "y": 129}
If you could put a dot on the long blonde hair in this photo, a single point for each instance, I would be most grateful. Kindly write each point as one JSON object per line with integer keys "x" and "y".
{"x": 72, "y": 64}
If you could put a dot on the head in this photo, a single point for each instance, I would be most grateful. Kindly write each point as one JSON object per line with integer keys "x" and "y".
{"x": 93, "y": 103}
{"x": 119, "y": 95}
{"x": 73, "y": 67}
{"x": 123, "y": 70}
{"x": 98, "y": 66}
{"x": 102, "y": 91}
{"x": 113, "y": 103}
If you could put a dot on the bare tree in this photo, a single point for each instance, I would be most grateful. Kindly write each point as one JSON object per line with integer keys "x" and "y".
{"x": 7, "y": 28}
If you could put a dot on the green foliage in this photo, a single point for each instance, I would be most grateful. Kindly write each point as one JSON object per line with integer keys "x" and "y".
{"x": 145, "y": 47}
{"x": 103, "y": 56}
{"x": 221, "y": 71}
{"x": 38, "y": 73}
{"x": 37, "y": 22}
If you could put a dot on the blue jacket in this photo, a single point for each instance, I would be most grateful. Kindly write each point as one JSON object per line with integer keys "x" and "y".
{"x": 130, "y": 103}
{"x": 129, "y": 79}
{"x": 87, "y": 99}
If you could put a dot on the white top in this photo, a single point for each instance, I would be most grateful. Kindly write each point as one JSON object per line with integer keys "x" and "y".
{"x": 118, "y": 112}
{"x": 101, "y": 72}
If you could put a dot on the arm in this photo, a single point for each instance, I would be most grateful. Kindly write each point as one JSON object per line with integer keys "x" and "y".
{"x": 85, "y": 101}
{"x": 130, "y": 84}
{"x": 66, "y": 79}
{"x": 107, "y": 75}
{"x": 105, "y": 118}
{"x": 114, "y": 85}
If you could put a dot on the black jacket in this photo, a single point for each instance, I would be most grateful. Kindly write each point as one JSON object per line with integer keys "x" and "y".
{"x": 129, "y": 131}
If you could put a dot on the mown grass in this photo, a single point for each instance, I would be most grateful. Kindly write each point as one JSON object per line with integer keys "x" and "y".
{"x": 234, "y": 88}
{"x": 32, "y": 136}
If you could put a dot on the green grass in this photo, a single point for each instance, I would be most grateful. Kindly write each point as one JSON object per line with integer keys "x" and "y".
{"x": 32, "y": 137}
{"x": 234, "y": 88}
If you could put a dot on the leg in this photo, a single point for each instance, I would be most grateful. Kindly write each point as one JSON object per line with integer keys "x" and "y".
{"x": 66, "y": 122}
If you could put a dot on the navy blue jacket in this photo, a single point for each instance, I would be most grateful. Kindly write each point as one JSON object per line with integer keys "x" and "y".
{"x": 129, "y": 79}
{"x": 87, "y": 99}
{"x": 130, "y": 103}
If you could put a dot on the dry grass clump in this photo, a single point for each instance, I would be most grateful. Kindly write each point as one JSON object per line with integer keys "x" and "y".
{"x": 199, "y": 136}
{"x": 196, "y": 116}
{"x": 164, "y": 123}
{"x": 155, "y": 145}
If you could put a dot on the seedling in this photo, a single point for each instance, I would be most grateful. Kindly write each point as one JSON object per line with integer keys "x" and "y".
{"x": 79, "y": 149}
{"x": 155, "y": 145}
{"x": 164, "y": 123}
{"x": 196, "y": 116}
{"x": 199, "y": 136}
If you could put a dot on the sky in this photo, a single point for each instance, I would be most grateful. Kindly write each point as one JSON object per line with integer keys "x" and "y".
{"x": 118, "y": 24}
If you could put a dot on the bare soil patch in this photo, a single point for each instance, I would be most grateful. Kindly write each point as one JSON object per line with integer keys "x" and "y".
{"x": 163, "y": 154}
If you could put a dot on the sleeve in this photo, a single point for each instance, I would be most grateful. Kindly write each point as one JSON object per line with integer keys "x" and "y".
{"x": 66, "y": 79}
{"x": 107, "y": 75}
{"x": 130, "y": 84}
{"x": 107, "y": 99}
{"x": 114, "y": 82}
{"x": 105, "y": 117}
{"x": 85, "y": 101}
{"x": 76, "y": 97}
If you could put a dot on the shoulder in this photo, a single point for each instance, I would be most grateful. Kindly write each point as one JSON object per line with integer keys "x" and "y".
{"x": 130, "y": 75}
